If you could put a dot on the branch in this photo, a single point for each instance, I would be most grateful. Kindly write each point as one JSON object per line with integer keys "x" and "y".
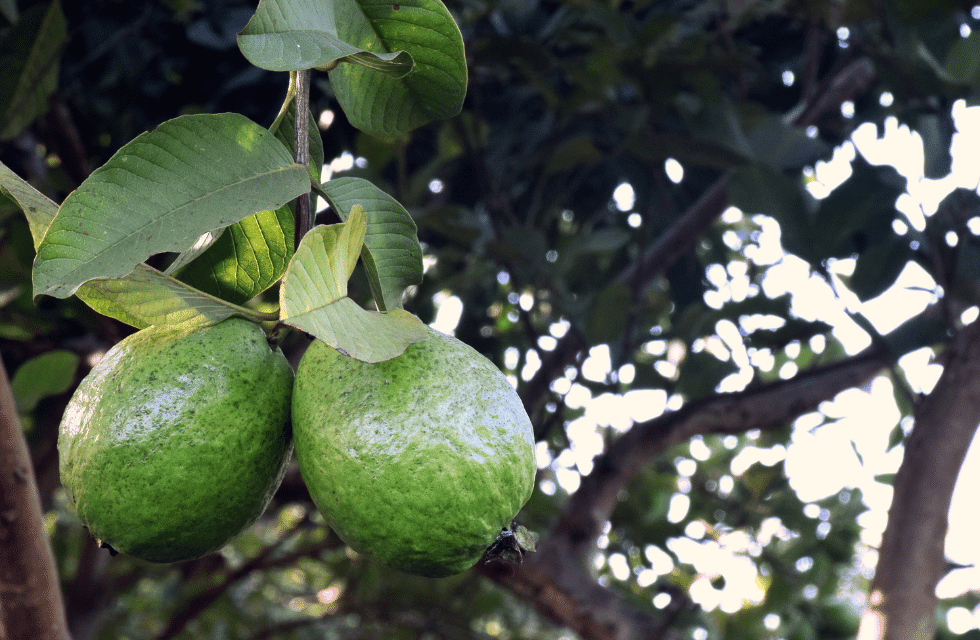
{"x": 31, "y": 605}
{"x": 911, "y": 560}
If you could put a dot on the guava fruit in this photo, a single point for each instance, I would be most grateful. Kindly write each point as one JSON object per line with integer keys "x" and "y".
{"x": 418, "y": 461}
{"x": 176, "y": 440}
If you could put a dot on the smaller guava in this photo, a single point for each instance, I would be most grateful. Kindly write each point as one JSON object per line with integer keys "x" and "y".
{"x": 177, "y": 439}
{"x": 420, "y": 461}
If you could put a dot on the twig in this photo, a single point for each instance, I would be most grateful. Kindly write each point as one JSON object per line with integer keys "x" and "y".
{"x": 304, "y": 214}
{"x": 31, "y": 605}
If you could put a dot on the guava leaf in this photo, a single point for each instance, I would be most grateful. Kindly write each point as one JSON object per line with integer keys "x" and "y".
{"x": 29, "y": 58}
{"x": 39, "y": 209}
{"x": 45, "y": 375}
{"x": 248, "y": 258}
{"x": 149, "y": 297}
{"x": 144, "y": 297}
{"x": 313, "y": 296}
{"x": 288, "y": 35}
{"x": 382, "y": 105}
{"x": 161, "y": 192}
{"x": 391, "y": 253}
{"x": 251, "y": 255}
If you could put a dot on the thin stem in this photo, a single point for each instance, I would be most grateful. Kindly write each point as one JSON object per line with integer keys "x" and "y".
{"x": 300, "y": 82}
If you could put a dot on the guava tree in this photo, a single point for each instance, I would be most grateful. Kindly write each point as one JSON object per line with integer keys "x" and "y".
{"x": 496, "y": 172}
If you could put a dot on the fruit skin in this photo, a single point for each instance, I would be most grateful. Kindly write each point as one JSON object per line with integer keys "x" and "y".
{"x": 175, "y": 441}
{"x": 418, "y": 461}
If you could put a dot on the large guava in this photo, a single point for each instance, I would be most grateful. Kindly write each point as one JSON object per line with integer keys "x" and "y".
{"x": 177, "y": 439}
{"x": 418, "y": 461}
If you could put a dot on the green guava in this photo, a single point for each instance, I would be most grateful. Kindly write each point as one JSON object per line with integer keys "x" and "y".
{"x": 418, "y": 461}
{"x": 176, "y": 440}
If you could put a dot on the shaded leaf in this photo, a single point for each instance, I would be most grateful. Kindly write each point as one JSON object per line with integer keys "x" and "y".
{"x": 878, "y": 267}
{"x": 39, "y": 209}
{"x": 314, "y": 298}
{"x": 46, "y": 375}
{"x": 289, "y": 35}
{"x": 29, "y": 57}
{"x": 391, "y": 253}
{"x": 149, "y": 297}
{"x": 251, "y": 255}
{"x": 433, "y": 90}
{"x": 161, "y": 192}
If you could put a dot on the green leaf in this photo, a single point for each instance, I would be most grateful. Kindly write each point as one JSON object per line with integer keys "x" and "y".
{"x": 878, "y": 267}
{"x": 314, "y": 298}
{"x": 8, "y": 8}
{"x": 251, "y": 255}
{"x": 149, "y": 297}
{"x": 391, "y": 253}
{"x": 48, "y": 374}
{"x": 435, "y": 88}
{"x": 161, "y": 192}
{"x": 39, "y": 209}
{"x": 288, "y": 35}
{"x": 29, "y": 58}
{"x": 248, "y": 258}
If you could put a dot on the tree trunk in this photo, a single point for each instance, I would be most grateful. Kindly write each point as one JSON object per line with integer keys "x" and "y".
{"x": 31, "y": 606}
{"x": 902, "y": 604}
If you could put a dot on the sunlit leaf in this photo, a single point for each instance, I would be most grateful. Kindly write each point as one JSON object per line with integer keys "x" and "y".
{"x": 160, "y": 193}
{"x": 392, "y": 254}
{"x": 382, "y": 105}
{"x": 288, "y": 35}
{"x": 314, "y": 296}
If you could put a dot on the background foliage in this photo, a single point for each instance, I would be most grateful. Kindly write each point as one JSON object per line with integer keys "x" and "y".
{"x": 513, "y": 200}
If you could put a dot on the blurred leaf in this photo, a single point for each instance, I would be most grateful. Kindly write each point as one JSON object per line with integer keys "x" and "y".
{"x": 8, "y": 8}
{"x": 687, "y": 150}
{"x": 915, "y": 333}
{"x": 48, "y": 374}
{"x": 878, "y": 267}
{"x": 756, "y": 188}
{"x": 391, "y": 253}
{"x": 783, "y": 146}
{"x": 895, "y": 437}
{"x": 858, "y": 212}
{"x": 161, "y": 192}
{"x": 572, "y": 154}
{"x": 314, "y": 298}
{"x": 433, "y": 90}
{"x": 38, "y": 208}
{"x": 609, "y": 314}
{"x": 937, "y": 136}
{"x": 288, "y": 35}
{"x": 963, "y": 61}
{"x": 29, "y": 56}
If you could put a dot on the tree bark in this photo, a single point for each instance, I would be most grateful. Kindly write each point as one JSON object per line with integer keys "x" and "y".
{"x": 31, "y": 606}
{"x": 911, "y": 561}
